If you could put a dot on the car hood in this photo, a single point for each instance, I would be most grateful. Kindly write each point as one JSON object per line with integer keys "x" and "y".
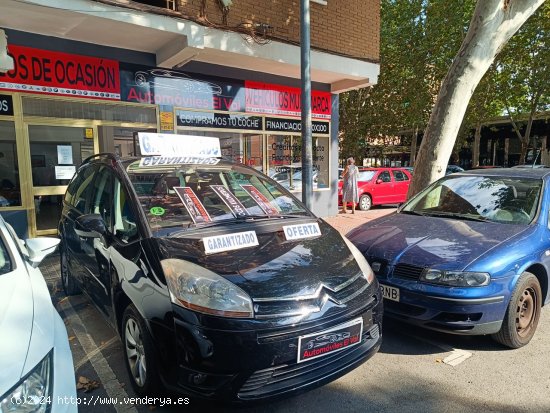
{"x": 276, "y": 267}
{"x": 430, "y": 241}
{"x": 16, "y": 321}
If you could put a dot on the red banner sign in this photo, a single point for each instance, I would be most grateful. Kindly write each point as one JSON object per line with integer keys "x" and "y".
{"x": 56, "y": 73}
{"x": 282, "y": 100}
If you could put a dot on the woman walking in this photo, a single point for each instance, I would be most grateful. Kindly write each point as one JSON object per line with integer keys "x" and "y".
{"x": 350, "y": 191}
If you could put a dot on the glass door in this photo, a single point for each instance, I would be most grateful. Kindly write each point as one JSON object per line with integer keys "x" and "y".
{"x": 55, "y": 154}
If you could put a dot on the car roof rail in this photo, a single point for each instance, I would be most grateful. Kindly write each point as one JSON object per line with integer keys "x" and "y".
{"x": 106, "y": 155}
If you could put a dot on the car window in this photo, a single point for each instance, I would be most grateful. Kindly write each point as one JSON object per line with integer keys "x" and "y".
{"x": 399, "y": 176}
{"x": 365, "y": 175}
{"x": 385, "y": 176}
{"x": 80, "y": 190}
{"x": 499, "y": 199}
{"x": 125, "y": 226}
{"x": 193, "y": 195}
{"x": 102, "y": 199}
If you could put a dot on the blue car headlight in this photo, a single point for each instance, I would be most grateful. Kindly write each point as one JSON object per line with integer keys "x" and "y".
{"x": 456, "y": 278}
{"x": 34, "y": 392}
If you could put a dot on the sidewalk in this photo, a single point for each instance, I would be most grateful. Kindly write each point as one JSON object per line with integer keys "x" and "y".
{"x": 346, "y": 222}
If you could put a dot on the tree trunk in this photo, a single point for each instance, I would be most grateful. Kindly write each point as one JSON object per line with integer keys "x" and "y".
{"x": 523, "y": 153}
{"x": 477, "y": 140}
{"x": 492, "y": 25}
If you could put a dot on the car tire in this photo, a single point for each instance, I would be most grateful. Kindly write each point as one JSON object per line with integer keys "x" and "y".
{"x": 70, "y": 285}
{"x": 523, "y": 313}
{"x": 139, "y": 353}
{"x": 365, "y": 202}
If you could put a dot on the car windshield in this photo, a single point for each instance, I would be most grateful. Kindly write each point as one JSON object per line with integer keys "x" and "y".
{"x": 191, "y": 196}
{"x": 5, "y": 262}
{"x": 498, "y": 199}
{"x": 365, "y": 175}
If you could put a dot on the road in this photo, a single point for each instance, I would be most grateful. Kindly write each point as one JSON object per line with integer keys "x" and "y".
{"x": 415, "y": 370}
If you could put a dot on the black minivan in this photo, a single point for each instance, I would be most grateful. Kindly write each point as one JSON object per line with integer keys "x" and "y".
{"x": 221, "y": 283}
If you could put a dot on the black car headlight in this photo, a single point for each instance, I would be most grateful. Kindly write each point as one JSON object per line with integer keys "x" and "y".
{"x": 361, "y": 261}
{"x": 198, "y": 289}
{"x": 456, "y": 278}
{"x": 33, "y": 393}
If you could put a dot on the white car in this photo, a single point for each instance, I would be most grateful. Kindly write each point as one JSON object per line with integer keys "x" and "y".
{"x": 36, "y": 364}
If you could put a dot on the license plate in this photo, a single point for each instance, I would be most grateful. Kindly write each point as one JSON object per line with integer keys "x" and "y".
{"x": 330, "y": 341}
{"x": 390, "y": 293}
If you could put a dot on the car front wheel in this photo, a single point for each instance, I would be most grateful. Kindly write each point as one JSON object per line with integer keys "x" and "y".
{"x": 523, "y": 313}
{"x": 365, "y": 202}
{"x": 138, "y": 346}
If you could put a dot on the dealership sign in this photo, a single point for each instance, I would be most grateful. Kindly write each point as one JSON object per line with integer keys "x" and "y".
{"x": 274, "y": 99}
{"x": 56, "y": 73}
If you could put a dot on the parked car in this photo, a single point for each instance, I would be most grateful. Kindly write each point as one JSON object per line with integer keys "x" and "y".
{"x": 468, "y": 255}
{"x": 36, "y": 365}
{"x": 216, "y": 277}
{"x": 378, "y": 186}
{"x": 532, "y": 166}
{"x": 451, "y": 169}
{"x": 290, "y": 177}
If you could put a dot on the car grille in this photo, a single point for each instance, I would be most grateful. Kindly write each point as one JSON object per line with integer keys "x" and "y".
{"x": 408, "y": 271}
{"x": 278, "y": 379}
{"x": 291, "y": 306}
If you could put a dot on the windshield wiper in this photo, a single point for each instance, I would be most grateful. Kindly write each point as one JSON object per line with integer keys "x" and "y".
{"x": 411, "y": 212}
{"x": 239, "y": 220}
{"x": 466, "y": 217}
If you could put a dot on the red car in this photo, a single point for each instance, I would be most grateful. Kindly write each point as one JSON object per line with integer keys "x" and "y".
{"x": 379, "y": 186}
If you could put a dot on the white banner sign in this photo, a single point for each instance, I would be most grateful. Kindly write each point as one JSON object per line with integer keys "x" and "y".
{"x": 178, "y": 145}
{"x": 230, "y": 242}
{"x": 300, "y": 231}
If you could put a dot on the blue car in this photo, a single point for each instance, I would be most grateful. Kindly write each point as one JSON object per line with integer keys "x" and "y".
{"x": 468, "y": 255}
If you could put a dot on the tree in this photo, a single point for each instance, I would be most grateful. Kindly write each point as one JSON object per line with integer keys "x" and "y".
{"x": 523, "y": 75}
{"x": 493, "y": 23}
{"x": 418, "y": 42}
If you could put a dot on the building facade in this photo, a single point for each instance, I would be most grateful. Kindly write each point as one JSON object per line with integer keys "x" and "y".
{"x": 89, "y": 75}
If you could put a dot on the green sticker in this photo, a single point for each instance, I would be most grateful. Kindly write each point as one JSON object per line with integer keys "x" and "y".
{"x": 157, "y": 211}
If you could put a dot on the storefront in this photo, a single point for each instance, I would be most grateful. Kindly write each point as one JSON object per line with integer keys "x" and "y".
{"x": 56, "y": 109}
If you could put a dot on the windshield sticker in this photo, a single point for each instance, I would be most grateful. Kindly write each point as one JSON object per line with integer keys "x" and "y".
{"x": 229, "y": 242}
{"x": 194, "y": 206}
{"x": 260, "y": 199}
{"x": 151, "y": 161}
{"x": 230, "y": 200}
{"x": 300, "y": 231}
{"x": 157, "y": 211}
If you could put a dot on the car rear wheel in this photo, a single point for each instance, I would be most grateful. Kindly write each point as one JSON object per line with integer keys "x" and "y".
{"x": 365, "y": 202}
{"x": 70, "y": 285}
{"x": 138, "y": 346}
{"x": 523, "y": 313}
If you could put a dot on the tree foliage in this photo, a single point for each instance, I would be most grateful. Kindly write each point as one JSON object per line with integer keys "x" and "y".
{"x": 419, "y": 41}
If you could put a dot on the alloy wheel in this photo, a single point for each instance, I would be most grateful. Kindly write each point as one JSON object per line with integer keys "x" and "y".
{"x": 135, "y": 352}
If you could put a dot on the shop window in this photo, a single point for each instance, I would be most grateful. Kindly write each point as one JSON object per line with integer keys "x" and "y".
{"x": 10, "y": 190}
{"x": 50, "y": 108}
{"x": 239, "y": 147}
{"x": 285, "y": 161}
{"x": 56, "y": 151}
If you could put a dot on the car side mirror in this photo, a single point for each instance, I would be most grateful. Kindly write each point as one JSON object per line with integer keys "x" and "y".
{"x": 379, "y": 181}
{"x": 90, "y": 226}
{"x": 39, "y": 248}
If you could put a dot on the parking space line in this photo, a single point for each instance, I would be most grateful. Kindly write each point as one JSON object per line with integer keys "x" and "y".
{"x": 456, "y": 357}
{"x": 88, "y": 356}
{"x": 106, "y": 375}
